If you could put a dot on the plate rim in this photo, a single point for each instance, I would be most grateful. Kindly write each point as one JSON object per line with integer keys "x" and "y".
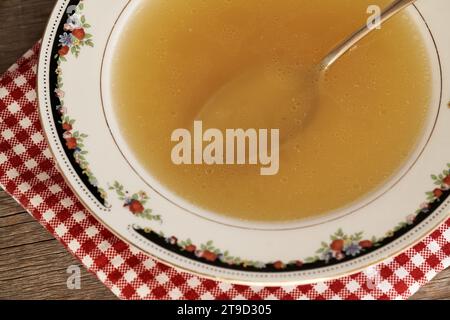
{"x": 401, "y": 248}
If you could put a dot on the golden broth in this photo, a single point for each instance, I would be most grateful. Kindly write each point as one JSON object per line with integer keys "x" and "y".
{"x": 174, "y": 57}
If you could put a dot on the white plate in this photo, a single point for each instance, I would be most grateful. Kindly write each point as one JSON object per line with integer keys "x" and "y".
{"x": 83, "y": 135}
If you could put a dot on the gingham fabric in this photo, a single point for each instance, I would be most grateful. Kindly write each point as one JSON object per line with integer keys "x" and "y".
{"x": 28, "y": 173}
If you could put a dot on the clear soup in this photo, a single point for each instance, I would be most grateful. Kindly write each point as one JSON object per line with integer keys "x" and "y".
{"x": 174, "y": 58}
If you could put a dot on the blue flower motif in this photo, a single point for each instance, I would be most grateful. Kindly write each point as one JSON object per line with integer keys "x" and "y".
{"x": 66, "y": 39}
{"x": 352, "y": 249}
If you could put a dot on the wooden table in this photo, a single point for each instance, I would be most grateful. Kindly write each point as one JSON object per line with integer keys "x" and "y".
{"x": 33, "y": 265}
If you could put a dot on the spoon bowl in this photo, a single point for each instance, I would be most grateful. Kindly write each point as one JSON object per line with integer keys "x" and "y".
{"x": 238, "y": 101}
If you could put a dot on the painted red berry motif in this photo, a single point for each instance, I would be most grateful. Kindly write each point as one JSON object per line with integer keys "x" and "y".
{"x": 337, "y": 245}
{"x": 209, "y": 256}
{"x": 190, "y": 248}
{"x": 63, "y": 51}
{"x": 71, "y": 143}
{"x": 136, "y": 207}
{"x": 279, "y": 265}
{"x": 135, "y": 203}
{"x": 447, "y": 180}
{"x": 438, "y": 193}
{"x": 366, "y": 244}
{"x": 79, "y": 33}
{"x": 67, "y": 126}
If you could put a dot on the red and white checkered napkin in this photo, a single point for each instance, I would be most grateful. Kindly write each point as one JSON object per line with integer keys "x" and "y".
{"x": 28, "y": 173}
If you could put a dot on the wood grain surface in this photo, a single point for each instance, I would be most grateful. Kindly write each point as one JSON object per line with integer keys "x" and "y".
{"x": 33, "y": 265}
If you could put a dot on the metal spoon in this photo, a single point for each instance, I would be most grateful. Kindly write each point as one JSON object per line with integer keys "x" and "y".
{"x": 394, "y": 8}
{"x": 246, "y": 88}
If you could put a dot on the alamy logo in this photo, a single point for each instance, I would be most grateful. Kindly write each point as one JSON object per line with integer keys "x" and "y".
{"x": 74, "y": 279}
{"x": 232, "y": 147}
{"x": 374, "y": 21}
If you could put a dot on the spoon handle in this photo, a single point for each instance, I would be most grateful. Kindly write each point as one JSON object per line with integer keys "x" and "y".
{"x": 394, "y": 8}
